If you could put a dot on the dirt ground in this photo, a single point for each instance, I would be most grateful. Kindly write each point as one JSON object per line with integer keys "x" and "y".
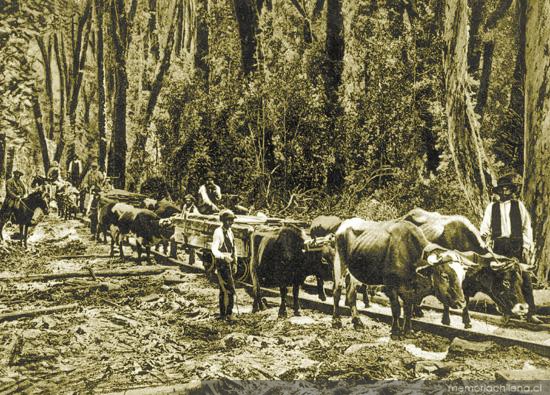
{"x": 137, "y": 332}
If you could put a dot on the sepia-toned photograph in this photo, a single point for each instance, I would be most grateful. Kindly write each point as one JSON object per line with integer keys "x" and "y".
{"x": 274, "y": 197}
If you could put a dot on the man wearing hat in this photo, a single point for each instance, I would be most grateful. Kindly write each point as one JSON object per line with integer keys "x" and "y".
{"x": 507, "y": 226}
{"x": 94, "y": 178}
{"x": 15, "y": 191}
{"x": 189, "y": 205}
{"x": 223, "y": 249}
{"x": 210, "y": 195}
{"x": 53, "y": 172}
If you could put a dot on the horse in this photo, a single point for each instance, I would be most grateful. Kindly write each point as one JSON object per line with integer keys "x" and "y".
{"x": 24, "y": 214}
{"x": 38, "y": 181}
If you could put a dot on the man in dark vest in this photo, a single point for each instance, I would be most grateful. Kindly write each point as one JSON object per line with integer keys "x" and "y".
{"x": 210, "y": 196}
{"x": 75, "y": 171}
{"x": 507, "y": 226}
{"x": 223, "y": 249}
{"x": 15, "y": 191}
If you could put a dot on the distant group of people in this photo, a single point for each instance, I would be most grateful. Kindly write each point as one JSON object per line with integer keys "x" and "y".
{"x": 16, "y": 189}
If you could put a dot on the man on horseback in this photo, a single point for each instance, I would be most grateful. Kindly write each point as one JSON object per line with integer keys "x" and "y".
{"x": 15, "y": 191}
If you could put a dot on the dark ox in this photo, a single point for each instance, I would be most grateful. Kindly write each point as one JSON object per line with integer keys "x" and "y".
{"x": 397, "y": 255}
{"x": 164, "y": 209}
{"x": 322, "y": 226}
{"x": 279, "y": 261}
{"x": 497, "y": 276}
{"x": 148, "y": 228}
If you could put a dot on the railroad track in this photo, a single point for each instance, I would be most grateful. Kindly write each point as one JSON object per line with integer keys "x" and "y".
{"x": 309, "y": 301}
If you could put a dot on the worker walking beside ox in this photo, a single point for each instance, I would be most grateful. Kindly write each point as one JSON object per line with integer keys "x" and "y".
{"x": 507, "y": 227}
{"x": 223, "y": 249}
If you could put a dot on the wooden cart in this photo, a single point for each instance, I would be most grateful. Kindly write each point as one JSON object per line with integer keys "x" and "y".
{"x": 196, "y": 230}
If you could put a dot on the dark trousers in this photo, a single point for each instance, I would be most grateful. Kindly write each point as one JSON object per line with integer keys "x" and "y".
{"x": 513, "y": 248}
{"x": 227, "y": 287}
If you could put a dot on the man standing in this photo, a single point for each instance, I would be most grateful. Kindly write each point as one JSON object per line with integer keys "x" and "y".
{"x": 507, "y": 226}
{"x": 93, "y": 181}
{"x": 210, "y": 195}
{"x": 94, "y": 178}
{"x": 223, "y": 249}
{"x": 15, "y": 191}
{"x": 189, "y": 205}
{"x": 74, "y": 171}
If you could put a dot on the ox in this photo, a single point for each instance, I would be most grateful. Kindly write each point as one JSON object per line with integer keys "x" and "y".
{"x": 279, "y": 262}
{"x": 322, "y": 226}
{"x": 164, "y": 209}
{"x": 397, "y": 255}
{"x": 497, "y": 276}
{"x": 148, "y": 228}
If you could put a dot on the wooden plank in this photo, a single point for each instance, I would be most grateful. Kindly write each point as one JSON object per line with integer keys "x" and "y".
{"x": 138, "y": 271}
{"x": 15, "y": 315}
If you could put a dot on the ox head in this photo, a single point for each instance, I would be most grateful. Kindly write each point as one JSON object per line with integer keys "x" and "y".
{"x": 150, "y": 204}
{"x": 447, "y": 272}
{"x": 167, "y": 228}
{"x": 291, "y": 240}
{"x": 501, "y": 279}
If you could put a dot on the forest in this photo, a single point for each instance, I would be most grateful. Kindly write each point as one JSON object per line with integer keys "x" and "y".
{"x": 301, "y": 107}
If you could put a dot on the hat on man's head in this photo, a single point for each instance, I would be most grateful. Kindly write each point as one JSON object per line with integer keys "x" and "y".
{"x": 226, "y": 214}
{"x": 210, "y": 174}
{"x": 54, "y": 164}
{"x": 189, "y": 197}
{"x": 94, "y": 164}
{"x": 510, "y": 180}
{"x": 18, "y": 172}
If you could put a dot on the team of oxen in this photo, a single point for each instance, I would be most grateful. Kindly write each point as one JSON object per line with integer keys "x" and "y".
{"x": 420, "y": 254}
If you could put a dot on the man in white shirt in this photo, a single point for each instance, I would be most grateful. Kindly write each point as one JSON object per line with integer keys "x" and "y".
{"x": 223, "y": 249}
{"x": 210, "y": 195}
{"x": 507, "y": 226}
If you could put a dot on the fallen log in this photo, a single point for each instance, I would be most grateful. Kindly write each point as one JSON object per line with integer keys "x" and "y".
{"x": 138, "y": 271}
{"x": 15, "y": 315}
{"x": 82, "y": 256}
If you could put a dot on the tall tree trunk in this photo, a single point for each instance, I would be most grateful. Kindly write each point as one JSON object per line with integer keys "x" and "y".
{"x": 100, "y": 87}
{"x": 180, "y": 31}
{"x": 37, "y": 112}
{"x": 474, "y": 54}
{"x": 334, "y": 49}
{"x": 202, "y": 49}
{"x": 138, "y": 150}
{"x": 61, "y": 69}
{"x": 536, "y": 187}
{"x": 247, "y": 19}
{"x": 119, "y": 30}
{"x": 517, "y": 97}
{"x": 154, "y": 46}
{"x": 463, "y": 129}
{"x": 46, "y": 52}
{"x": 80, "y": 49}
{"x": 485, "y": 79}
{"x": 2, "y": 155}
